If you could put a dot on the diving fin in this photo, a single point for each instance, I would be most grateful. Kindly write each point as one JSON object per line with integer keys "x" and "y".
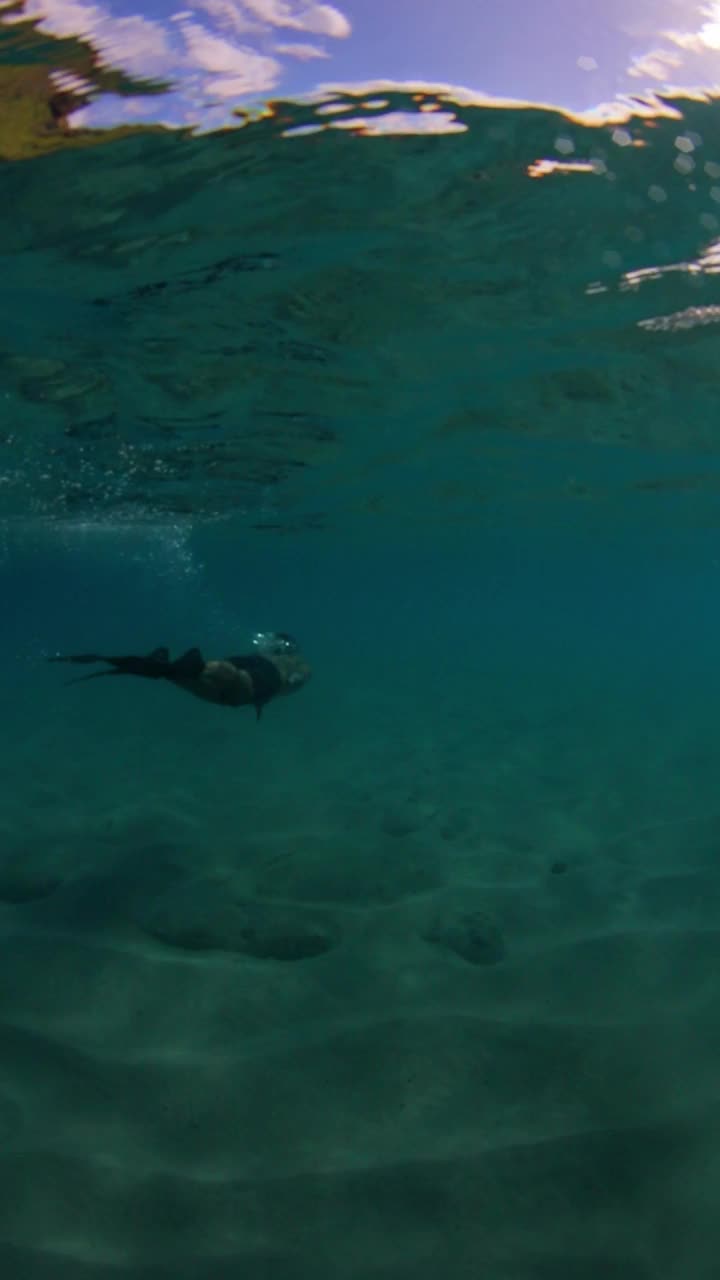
{"x": 76, "y": 657}
{"x": 156, "y": 665}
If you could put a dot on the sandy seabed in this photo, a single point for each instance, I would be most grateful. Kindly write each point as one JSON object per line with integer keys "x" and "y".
{"x": 369, "y": 990}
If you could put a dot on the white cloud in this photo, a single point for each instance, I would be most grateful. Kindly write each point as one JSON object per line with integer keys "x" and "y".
{"x": 138, "y": 44}
{"x": 213, "y": 53}
{"x": 694, "y": 52}
{"x": 317, "y": 19}
{"x": 688, "y": 40}
{"x": 710, "y": 35}
{"x": 61, "y": 17}
{"x": 141, "y": 46}
{"x": 655, "y": 64}
{"x": 305, "y": 52}
{"x": 235, "y": 70}
{"x": 231, "y": 16}
{"x": 710, "y": 31}
{"x": 202, "y": 60}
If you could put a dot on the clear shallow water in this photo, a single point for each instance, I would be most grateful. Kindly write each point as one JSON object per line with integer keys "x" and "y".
{"x": 312, "y": 330}
{"x": 511, "y": 730}
{"x": 419, "y": 974}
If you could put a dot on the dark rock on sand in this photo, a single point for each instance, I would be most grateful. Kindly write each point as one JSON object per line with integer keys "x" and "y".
{"x": 401, "y": 822}
{"x": 20, "y": 884}
{"x": 203, "y": 915}
{"x": 471, "y": 934}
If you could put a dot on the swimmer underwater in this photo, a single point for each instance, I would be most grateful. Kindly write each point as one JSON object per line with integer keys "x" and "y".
{"x": 275, "y": 669}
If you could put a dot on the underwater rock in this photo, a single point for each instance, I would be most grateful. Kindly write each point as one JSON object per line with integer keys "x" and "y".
{"x": 16, "y": 892}
{"x": 402, "y": 822}
{"x": 202, "y": 915}
{"x": 20, "y": 884}
{"x": 471, "y": 934}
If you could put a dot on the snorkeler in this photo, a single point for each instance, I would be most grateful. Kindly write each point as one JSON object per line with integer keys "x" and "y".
{"x": 254, "y": 679}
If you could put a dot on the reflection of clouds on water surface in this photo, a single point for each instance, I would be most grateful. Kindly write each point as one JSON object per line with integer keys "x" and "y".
{"x": 213, "y": 53}
{"x": 213, "y": 56}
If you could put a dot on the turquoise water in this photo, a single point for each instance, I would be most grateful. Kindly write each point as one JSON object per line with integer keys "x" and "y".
{"x": 419, "y": 974}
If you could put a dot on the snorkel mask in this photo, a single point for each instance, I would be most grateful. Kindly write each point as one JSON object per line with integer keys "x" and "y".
{"x": 274, "y": 643}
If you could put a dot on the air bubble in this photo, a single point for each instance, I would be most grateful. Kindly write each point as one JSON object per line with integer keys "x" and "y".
{"x": 684, "y": 143}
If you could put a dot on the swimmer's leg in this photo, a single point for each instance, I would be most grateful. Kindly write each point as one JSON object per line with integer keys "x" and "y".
{"x": 156, "y": 666}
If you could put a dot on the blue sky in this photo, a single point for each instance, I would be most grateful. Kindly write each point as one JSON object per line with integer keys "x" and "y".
{"x": 221, "y": 53}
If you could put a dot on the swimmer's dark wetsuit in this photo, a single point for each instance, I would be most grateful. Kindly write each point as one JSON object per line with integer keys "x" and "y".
{"x": 248, "y": 680}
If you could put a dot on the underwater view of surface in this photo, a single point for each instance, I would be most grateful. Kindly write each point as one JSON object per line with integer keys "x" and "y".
{"x": 416, "y": 973}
